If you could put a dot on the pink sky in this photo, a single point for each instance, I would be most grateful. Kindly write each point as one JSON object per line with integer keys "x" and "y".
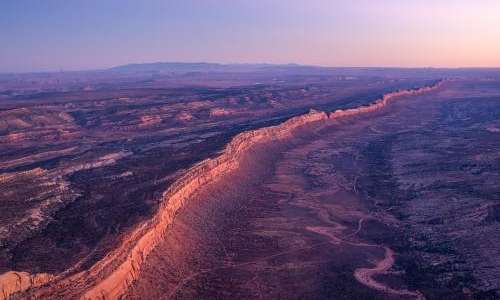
{"x": 52, "y": 35}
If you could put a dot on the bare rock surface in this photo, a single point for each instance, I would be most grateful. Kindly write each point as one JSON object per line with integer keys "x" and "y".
{"x": 235, "y": 191}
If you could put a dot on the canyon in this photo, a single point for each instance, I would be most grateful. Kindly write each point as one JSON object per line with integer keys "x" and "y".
{"x": 115, "y": 285}
{"x": 296, "y": 207}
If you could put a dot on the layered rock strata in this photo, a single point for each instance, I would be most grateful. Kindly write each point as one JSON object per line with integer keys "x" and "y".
{"x": 112, "y": 276}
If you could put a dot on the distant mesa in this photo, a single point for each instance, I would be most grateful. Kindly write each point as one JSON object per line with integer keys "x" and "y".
{"x": 203, "y": 67}
{"x": 345, "y": 73}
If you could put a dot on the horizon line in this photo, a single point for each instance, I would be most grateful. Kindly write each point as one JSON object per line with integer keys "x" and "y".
{"x": 105, "y": 69}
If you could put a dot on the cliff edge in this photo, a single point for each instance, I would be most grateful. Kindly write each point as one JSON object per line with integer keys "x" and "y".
{"x": 115, "y": 273}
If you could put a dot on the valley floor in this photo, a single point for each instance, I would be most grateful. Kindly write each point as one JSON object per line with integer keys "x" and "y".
{"x": 398, "y": 204}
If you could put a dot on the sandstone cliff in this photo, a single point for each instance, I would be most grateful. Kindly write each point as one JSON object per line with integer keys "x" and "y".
{"x": 116, "y": 283}
{"x": 383, "y": 101}
{"x": 111, "y": 277}
{"x": 12, "y": 282}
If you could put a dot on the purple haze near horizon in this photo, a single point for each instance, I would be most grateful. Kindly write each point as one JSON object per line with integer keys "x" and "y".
{"x": 74, "y": 35}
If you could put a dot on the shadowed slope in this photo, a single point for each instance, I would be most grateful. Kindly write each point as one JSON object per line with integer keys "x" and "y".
{"x": 112, "y": 276}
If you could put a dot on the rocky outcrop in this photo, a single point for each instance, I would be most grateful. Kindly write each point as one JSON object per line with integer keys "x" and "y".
{"x": 111, "y": 277}
{"x": 12, "y": 282}
{"x": 383, "y": 101}
{"x": 115, "y": 284}
{"x": 45, "y": 193}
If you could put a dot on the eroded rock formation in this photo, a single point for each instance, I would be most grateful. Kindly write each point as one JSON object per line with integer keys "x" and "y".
{"x": 13, "y": 282}
{"x": 110, "y": 277}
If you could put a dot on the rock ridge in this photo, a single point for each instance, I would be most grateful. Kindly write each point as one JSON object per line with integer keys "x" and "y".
{"x": 111, "y": 277}
{"x": 208, "y": 171}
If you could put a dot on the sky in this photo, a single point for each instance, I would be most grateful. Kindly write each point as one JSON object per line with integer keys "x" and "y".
{"x": 53, "y": 35}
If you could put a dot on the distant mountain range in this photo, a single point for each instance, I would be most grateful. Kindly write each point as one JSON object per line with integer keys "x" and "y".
{"x": 297, "y": 69}
{"x": 180, "y": 67}
{"x": 293, "y": 69}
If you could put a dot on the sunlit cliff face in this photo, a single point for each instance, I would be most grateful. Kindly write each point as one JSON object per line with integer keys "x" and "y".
{"x": 115, "y": 285}
{"x": 113, "y": 275}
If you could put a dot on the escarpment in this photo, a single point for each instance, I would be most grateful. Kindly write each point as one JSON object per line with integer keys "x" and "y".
{"x": 207, "y": 171}
{"x": 111, "y": 277}
{"x": 384, "y": 100}
{"x": 12, "y": 282}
